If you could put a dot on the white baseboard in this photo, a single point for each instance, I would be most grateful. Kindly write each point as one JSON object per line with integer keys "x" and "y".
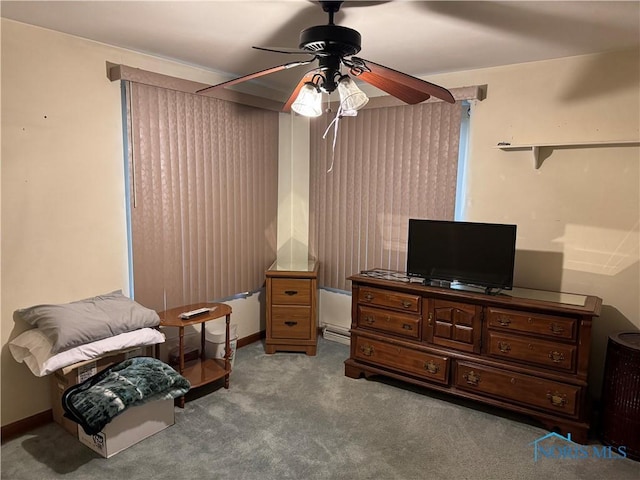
{"x": 336, "y": 334}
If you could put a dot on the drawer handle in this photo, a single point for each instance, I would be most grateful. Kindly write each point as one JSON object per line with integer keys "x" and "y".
{"x": 504, "y": 347}
{"x": 431, "y": 367}
{"x": 430, "y": 318}
{"x": 472, "y": 378}
{"x": 406, "y": 304}
{"x": 556, "y": 357}
{"x": 556, "y": 329}
{"x": 366, "y": 350}
{"x": 369, "y": 296}
{"x": 290, "y": 323}
{"x": 504, "y": 321}
{"x": 291, "y": 292}
{"x": 406, "y": 326}
{"x": 557, "y": 399}
{"x": 369, "y": 319}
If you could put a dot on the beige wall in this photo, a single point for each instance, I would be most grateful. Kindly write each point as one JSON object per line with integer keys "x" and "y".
{"x": 63, "y": 232}
{"x": 293, "y": 191}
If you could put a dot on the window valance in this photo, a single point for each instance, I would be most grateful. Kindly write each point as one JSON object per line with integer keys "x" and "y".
{"x": 137, "y": 75}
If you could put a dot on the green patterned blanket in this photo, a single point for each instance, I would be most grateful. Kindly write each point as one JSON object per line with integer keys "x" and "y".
{"x": 95, "y": 402}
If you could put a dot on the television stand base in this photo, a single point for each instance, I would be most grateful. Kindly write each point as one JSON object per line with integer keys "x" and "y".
{"x": 463, "y": 286}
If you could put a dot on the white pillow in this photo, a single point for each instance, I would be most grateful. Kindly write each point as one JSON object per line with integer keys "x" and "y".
{"x": 35, "y": 349}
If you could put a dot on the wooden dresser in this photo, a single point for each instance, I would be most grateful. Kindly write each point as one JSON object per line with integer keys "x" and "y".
{"x": 529, "y": 355}
{"x": 292, "y": 323}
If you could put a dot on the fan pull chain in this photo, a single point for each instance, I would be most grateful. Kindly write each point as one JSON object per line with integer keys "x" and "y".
{"x": 334, "y": 122}
{"x": 341, "y": 113}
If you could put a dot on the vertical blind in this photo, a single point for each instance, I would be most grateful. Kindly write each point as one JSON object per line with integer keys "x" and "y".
{"x": 389, "y": 165}
{"x": 203, "y": 179}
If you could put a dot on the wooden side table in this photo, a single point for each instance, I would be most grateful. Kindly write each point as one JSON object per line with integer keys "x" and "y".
{"x": 292, "y": 323}
{"x": 203, "y": 370}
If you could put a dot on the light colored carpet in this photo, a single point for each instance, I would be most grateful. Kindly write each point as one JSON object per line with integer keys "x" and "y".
{"x": 290, "y": 416}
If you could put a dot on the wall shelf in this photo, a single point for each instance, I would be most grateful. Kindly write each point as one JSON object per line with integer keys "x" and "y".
{"x": 535, "y": 148}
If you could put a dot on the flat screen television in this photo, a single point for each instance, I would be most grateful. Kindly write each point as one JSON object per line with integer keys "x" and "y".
{"x": 476, "y": 254}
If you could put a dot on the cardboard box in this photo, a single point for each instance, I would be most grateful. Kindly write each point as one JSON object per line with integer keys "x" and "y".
{"x": 78, "y": 373}
{"x": 130, "y": 427}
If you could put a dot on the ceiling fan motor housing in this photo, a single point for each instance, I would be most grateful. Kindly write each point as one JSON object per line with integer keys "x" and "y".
{"x": 330, "y": 39}
{"x": 330, "y": 45}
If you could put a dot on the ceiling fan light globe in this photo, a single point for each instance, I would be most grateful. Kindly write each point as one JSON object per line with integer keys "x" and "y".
{"x": 351, "y": 97}
{"x": 308, "y": 103}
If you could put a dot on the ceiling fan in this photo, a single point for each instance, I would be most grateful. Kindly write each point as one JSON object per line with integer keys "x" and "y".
{"x": 335, "y": 46}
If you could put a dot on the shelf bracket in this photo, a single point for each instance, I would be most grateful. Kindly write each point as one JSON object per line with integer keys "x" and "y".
{"x": 535, "y": 152}
{"x": 539, "y": 156}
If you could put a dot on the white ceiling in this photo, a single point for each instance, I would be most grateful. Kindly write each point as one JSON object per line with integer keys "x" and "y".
{"x": 416, "y": 37}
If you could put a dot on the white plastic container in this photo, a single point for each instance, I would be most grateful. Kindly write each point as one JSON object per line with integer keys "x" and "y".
{"x": 214, "y": 336}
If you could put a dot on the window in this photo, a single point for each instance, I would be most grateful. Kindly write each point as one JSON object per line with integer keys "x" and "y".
{"x": 390, "y": 164}
{"x": 203, "y": 196}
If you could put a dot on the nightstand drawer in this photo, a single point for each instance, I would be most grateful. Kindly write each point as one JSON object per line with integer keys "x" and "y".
{"x": 538, "y": 324}
{"x": 415, "y": 362}
{"x": 389, "y": 321}
{"x": 532, "y": 350}
{"x": 291, "y": 322}
{"x": 516, "y": 387}
{"x": 290, "y": 291}
{"x": 390, "y": 299}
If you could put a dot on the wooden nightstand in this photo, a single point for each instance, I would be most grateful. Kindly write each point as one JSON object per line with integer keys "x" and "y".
{"x": 291, "y": 307}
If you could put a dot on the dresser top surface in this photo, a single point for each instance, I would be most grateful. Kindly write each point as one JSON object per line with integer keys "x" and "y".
{"x": 559, "y": 301}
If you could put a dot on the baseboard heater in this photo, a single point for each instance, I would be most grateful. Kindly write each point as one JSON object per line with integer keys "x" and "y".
{"x": 336, "y": 334}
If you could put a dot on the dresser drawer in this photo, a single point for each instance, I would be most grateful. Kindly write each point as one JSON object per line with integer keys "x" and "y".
{"x": 402, "y": 324}
{"x": 538, "y": 324}
{"x": 524, "y": 389}
{"x": 417, "y": 363}
{"x": 389, "y": 299}
{"x": 291, "y": 322}
{"x": 532, "y": 351}
{"x": 290, "y": 291}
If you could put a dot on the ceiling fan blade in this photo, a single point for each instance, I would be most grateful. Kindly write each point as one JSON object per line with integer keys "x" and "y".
{"x": 251, "y": 76}
{"x": 398, "y": 90}
{"x": 292, "y": 98}
{"x": 394, "y": 82}
{"x": 291, "y": 51}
